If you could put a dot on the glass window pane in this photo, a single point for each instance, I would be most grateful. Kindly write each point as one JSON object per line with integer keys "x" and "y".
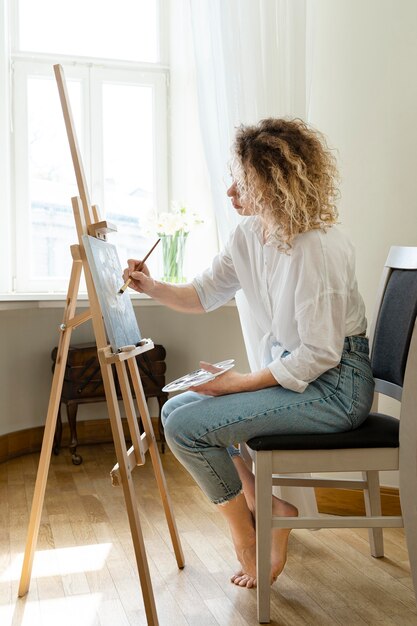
{"x": 128, "y": 158}
{"x": 51, "y": 179}
{"x": 126, "y": 29}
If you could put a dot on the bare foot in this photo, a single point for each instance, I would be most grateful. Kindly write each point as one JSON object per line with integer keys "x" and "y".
{"x": 280, "y": 536}
{"x": 243, "y": 580}
{"x": 242, "y": 528}
{"x": 246, "y": 576}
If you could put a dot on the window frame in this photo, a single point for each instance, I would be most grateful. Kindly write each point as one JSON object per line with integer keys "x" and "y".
{"x": 158, "y": 82}
{"x": 91, "y": 75}
{"x": 16, "y": 66}
{"x": 21, "y": 71}
{"x": 6, "y": 232}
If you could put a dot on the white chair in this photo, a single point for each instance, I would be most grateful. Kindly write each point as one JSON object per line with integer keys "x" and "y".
{"x": 382, "y": 442}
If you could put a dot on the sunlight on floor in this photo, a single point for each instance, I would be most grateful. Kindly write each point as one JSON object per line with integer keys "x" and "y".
{"x": 60, "y": 561}
{"x": 82, "y": 609}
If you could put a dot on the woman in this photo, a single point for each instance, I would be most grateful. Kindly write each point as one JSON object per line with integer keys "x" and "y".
{"x": 312, "y": 372}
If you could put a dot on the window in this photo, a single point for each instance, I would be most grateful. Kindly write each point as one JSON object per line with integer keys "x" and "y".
{"x": 127, "y": 30}
{"x": 118, "y": 90}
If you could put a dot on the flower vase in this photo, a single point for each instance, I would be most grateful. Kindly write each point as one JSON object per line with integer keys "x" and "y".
{"x": 173, "y": 248}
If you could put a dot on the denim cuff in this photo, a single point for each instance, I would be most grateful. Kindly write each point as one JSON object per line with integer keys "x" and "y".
{"x": 233, "y": 451}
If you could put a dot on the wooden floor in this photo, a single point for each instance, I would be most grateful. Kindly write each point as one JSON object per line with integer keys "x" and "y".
{"x": 85, "y": 573}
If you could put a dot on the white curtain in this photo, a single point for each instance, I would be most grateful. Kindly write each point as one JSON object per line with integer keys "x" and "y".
{"x": 250, "y": 63}
{"x": 250, "y": 60}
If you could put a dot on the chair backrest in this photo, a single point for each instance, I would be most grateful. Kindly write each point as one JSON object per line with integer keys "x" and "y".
{"x": 395, "y": 321}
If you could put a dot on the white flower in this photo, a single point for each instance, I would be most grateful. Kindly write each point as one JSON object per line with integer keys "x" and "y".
{"x": 176, "y": 221}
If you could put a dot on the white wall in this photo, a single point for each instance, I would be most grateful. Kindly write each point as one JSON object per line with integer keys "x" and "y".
{"x": 364, "y": 98}
{"x": 28, "y": 335}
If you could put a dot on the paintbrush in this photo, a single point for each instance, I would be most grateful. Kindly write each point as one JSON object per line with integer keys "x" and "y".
{"x": 138, "y": 269}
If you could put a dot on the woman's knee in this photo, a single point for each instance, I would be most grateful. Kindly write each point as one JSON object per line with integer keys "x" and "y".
{"x": 178, "y": 428}
{"x": 182, "y": 399}
{"x": 166, "y": 411}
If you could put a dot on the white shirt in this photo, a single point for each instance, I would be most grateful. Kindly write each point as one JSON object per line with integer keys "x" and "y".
{"x": 303, "y": 302}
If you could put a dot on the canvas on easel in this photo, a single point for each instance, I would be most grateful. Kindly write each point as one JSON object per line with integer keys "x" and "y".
{"x": 98, "y": 259}
{"x": 118, "y": 314}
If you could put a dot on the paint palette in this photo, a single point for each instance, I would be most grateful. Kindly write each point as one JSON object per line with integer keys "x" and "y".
{"x": 198, "y": 377}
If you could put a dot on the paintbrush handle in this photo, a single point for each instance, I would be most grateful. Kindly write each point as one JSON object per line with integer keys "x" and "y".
{"x": 139, "y": 267}
{"x": 142, "y": 263}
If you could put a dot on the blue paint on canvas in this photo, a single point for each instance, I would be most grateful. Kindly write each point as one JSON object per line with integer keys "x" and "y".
{"x": 117, "y": 309}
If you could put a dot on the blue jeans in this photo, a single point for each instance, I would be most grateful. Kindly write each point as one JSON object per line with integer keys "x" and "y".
{"x": 202, "y": 430}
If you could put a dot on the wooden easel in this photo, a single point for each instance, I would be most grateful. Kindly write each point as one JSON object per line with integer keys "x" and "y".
{"x": 88, "y": 222}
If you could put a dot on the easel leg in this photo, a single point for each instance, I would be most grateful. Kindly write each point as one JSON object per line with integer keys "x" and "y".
{"x": 48, "y": 437}
{"x": 156, "y": 461}
{"x": 129, "y": 494}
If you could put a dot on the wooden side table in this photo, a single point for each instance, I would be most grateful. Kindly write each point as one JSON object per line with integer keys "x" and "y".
{"x": 83, "y": 384}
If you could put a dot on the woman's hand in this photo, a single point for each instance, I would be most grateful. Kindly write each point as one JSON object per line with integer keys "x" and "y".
{"x": 229, "y": 382}
{"x": 182, "y": 297}
{"x": 234, "y": 382}
{"x": 141, "y": 280}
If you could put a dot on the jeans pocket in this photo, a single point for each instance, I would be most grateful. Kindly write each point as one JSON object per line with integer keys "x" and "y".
{"x": 363, "y": 394}
{"x": 347, "y": 388}
{"x": 355, "y": 391}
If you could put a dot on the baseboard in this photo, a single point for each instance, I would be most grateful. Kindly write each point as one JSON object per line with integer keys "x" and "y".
{"x": 89, "y": 432}
{"x": 351, "y": 501}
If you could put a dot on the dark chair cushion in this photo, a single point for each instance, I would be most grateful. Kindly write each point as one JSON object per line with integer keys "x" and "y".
{"x": 377, "y": 431}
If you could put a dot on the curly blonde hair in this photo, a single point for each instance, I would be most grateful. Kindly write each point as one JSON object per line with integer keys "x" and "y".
{"x": 286, "y": 173}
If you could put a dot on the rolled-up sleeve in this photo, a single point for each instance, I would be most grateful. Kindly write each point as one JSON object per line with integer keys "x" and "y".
{"x": 320, "y": 325}
{"x": 219, "y": 283}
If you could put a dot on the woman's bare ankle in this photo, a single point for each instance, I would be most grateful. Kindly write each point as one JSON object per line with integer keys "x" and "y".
{"x": 280, "y": 537}
{"x": 248, "y": 482}
{"x": 283, "y": 508}
{"x": 243, "y": 532}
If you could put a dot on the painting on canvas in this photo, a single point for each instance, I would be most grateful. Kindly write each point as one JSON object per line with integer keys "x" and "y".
{"x": 117, "y": 309}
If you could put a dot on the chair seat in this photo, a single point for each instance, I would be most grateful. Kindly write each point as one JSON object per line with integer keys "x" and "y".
{"x": 377, "y": 431}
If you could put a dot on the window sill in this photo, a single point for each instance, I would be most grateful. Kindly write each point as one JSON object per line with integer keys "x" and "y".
{"x": 10, "y": 302}
{"x": 57, "y": 300}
